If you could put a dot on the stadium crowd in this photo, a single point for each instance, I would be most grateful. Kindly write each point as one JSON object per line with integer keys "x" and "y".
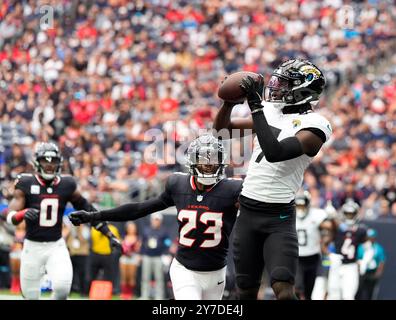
{"x": 102, "y": 73}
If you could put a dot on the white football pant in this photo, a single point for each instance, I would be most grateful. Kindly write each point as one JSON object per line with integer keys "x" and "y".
{"x": 196, "y": 285}
{"x": 39, "y": 258}
{"x": 320, "y": 288}
{"x": 343, "y": 280}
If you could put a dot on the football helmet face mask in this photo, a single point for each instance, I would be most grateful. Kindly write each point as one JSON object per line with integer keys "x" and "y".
{"x": 302, "y": 202}
{"x": 350, "y": 213}
{"x": 47, "y": 161}
{"x": 206, "y": 159}
{"x": 294, "y": 82}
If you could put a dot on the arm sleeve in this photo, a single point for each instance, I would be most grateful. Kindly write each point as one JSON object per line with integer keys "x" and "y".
{"x": 273, "y": 149}
{"x": 133, "y": 211}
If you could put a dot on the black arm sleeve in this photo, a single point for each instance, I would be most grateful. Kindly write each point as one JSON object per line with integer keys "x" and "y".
{"x": 273, "y": 149}
{"x": 82, "y": 204}
{"x": 131, "y": 211}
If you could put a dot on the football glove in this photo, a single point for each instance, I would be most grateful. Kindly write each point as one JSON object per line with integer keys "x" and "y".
{"x": 80, "y": 217}
{"x": 254, "y": 90}
{"x": 31, "y": 214}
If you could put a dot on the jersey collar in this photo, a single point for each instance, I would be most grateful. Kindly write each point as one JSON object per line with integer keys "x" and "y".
{"x": 44, "y": 184}
{"x": 195, "y": 188}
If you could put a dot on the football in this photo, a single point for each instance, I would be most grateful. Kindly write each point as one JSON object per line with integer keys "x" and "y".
{"x": 230, "y": 90}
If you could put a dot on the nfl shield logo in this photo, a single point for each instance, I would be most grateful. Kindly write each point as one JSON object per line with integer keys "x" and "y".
{"x": 199, "y": 197}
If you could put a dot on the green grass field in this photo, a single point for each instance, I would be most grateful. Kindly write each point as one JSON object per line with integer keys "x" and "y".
{"x": 8, "y": 295}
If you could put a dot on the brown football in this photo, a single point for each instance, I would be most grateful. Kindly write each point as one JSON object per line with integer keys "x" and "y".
{"x": 230, "y": 90}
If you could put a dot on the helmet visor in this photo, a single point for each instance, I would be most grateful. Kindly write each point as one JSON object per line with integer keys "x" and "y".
{"x": 276, "y": 88}
{"x": 206, "y": 155}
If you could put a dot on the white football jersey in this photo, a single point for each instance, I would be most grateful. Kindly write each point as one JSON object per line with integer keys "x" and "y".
{"x": 278, "y": 182}
{"x": 308, "y": 232}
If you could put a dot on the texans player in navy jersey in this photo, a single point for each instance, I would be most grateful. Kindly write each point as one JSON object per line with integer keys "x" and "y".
{"x": 207, "y": 205}
{"x": 343, "y": 279}
{"x": 40, "y": 199}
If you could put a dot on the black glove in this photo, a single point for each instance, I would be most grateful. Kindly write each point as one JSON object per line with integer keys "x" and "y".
{"x": 80, "y": 217}
{"x": 116, "y": 245}
{"x": 31, "y": 214}
{"x": 254, "y": 90}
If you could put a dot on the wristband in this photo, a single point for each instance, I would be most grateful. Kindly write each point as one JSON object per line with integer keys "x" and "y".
{"x": 19, "y": 215}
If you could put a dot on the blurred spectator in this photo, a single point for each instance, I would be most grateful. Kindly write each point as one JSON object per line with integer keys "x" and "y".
{"x": 77, "y": 240}
{"x": 371, "y": 258}
{"x": 15, "y": 258}
{"x": 155, "y": 244}
{"x": 129, "y": 261}
{"x": 6, "y": 241}
{"x": 102, "y": 261}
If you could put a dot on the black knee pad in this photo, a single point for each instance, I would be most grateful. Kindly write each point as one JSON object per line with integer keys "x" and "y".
{"x": 282, "y": 274}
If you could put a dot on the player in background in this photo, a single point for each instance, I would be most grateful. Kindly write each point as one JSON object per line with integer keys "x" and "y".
{"x": 343, "y": 279}
{"x": 207, "y": 205}
{"x": 308, "y": 224}
{"x": 327, "y": 231}
{"x": 40, "y": 199}
{"x": 288, "y": 135}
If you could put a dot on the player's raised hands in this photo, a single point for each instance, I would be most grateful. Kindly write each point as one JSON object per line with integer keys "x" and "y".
{"x": 254, "y": 89}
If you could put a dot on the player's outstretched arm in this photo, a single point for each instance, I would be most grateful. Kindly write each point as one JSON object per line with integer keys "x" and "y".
{"x": 129, "y": 211}
{"x": 304, "y": 142}
{"x": 223, "y": 121}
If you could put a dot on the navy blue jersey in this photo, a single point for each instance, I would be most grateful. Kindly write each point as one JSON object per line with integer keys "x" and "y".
{"x": 347, "y": 239}
{"x": 50, "y": 199}
{"x": 205, "y": 220}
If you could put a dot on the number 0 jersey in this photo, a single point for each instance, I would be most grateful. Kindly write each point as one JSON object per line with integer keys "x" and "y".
{"x": 308, "y": 232}
{"x": 205, "y": 220}
{"x": 278, "y": 182}
{"x": 50, "y": 199}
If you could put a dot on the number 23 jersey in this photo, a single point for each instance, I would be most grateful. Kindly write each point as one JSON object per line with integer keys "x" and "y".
{"x": 50, "y": 199}
{"x": 205, "y": 220}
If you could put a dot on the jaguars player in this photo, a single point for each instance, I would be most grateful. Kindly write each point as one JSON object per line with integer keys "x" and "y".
{"x": 343, "y": 281}
{"x": 40, "y": 199}
{"x": 288, "y": 135}
{"x": 309, "y": 223}
{"x": 207, "y": 205}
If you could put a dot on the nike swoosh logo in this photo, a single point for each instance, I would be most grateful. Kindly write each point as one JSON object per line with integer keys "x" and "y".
{"x": 284, "y": 217}
{"x": 220, "y": 282}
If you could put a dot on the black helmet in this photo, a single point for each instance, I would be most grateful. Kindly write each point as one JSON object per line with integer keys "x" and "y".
{"x": 50, "y": 153}
{"x": 302, "y": 202}
{"x": 206, "y": 150}
{"x": 295, "y": 82}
